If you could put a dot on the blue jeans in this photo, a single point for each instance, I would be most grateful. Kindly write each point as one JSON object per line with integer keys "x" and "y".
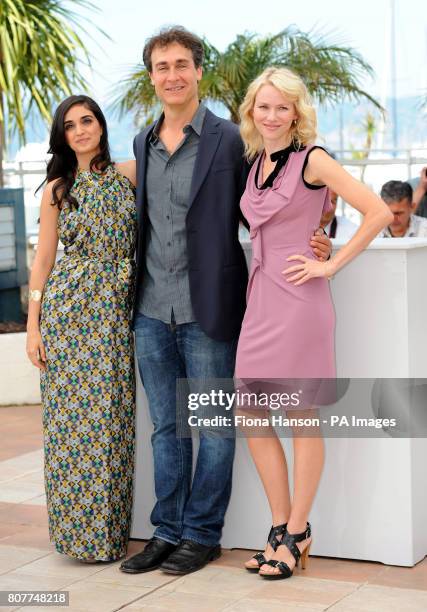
{"x": 184, "y": 509}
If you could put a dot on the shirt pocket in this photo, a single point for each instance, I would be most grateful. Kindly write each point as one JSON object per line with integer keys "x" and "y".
{"x": 181, "y": 187}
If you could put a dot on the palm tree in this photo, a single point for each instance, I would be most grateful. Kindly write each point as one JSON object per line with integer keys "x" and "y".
{"x": 331, "y": 71}
{"x": 39, "y": 48}
{"x": 369, "y": 127}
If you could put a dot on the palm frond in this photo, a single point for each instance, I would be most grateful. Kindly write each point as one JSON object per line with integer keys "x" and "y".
{"x": 332, "y": 71}
{"x": 41, "y": 49}
{"x": 135, "y": 94}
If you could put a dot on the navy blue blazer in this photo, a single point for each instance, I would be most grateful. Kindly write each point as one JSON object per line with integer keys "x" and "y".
{"x": 217, "y": 268}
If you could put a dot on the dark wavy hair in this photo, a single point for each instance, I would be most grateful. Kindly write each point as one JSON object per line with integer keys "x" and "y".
{"x": 63, "y": 163}
{"x": 396, "y": 191}
{"x": 174, "y": 34}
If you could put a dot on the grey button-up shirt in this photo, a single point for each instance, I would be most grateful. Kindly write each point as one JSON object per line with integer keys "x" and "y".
{"x": 165, "y": 287}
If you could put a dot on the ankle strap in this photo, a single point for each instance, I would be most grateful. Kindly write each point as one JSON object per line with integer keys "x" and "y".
{"x": 278, "y": 530}
{"x": 290, "y": 540}
{"x": 299, "y": 537}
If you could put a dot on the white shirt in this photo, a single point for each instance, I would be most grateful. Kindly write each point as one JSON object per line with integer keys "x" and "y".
{"x": 345, "y": 228}
{"x": 417, "y": 229}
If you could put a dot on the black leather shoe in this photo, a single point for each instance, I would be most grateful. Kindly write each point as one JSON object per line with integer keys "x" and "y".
{"x": 155, "y": 552}
{"x": 190, "y": 557}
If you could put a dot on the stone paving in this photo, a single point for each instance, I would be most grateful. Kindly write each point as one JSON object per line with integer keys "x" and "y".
{"x": 28, "y": 561}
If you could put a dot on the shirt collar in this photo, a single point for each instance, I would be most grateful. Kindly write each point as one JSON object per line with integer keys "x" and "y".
{"x": 195, "y": 124}
{"x": 411, "y": 232}
{"x": 413, "y": 226}
{"x": 197, "y": 121}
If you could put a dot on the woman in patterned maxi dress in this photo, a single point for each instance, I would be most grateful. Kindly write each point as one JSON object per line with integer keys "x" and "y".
{"x": 81, "y": 336}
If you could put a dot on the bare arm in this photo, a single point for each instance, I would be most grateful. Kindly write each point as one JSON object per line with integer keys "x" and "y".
{"x": 376, "y": 215}
{"x": 128, "y": 169}
{"x": 42, "y": 266}
{"x": 421, "y": 188}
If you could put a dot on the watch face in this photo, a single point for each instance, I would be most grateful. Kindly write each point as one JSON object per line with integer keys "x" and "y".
{"x": 35, "y": 295}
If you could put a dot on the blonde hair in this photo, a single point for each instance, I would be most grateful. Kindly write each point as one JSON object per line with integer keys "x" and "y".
{"x": 303, "y": 132}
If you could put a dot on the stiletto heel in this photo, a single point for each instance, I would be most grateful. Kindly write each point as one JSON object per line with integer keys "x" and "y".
{"x": 279, "y": 530}
{"x": 304, "y": 556}
{"x": 290, "y": 541}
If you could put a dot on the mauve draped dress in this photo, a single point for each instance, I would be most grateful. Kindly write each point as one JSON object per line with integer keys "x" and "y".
{"x": 288, "y": 330}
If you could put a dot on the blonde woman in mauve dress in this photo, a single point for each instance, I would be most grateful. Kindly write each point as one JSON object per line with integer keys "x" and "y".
{"x": 288, "y": 328}
{"x": 79, "y": 335}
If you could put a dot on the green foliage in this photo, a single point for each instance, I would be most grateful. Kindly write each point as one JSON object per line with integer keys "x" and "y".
{"x": 136, "y": 94}
{"x": 39, "y": 55}
{"x": 368, "y": 127}
{"x": 332, "y": 72}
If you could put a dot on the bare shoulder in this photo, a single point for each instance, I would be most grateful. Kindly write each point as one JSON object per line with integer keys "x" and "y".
{"x": 50, "y": 185}
{"x": 128, "y": 169}
{"x": 322, "y": 167}
{"x": 320, "y": 156}
{"x": 47, "y": 197}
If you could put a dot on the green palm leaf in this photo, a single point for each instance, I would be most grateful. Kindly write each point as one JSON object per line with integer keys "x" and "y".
{"x": 40, "y": 53}
{"x": 331, "y": 71}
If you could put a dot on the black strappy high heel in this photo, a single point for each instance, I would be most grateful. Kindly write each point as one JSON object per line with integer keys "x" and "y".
{"x": 290, "y": 541}
{"x": 279, "y": 530}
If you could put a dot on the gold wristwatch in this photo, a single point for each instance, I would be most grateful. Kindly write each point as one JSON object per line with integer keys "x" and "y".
{"x": 35, "y": 295}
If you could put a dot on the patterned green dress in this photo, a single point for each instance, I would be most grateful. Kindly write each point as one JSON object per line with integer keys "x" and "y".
{"x": 88, "y": 389}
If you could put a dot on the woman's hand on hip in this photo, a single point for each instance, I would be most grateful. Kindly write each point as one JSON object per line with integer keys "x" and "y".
{"x": 307, "y": 269}
{"x": 35, "y": 349}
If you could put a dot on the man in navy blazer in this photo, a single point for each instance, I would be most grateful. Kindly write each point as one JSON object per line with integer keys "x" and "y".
{"x": 191, "y": 284}
{"x": 216, "y": 263}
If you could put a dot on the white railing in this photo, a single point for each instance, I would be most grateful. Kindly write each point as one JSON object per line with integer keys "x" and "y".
{"x": 381, "y": 165}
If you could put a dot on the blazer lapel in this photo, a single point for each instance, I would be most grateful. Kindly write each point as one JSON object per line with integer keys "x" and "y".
{"x": 209, "y": 141}
{"x": 141, "y": 172}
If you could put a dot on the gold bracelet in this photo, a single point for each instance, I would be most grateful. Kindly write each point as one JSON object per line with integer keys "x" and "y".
{"x": 35, "y": 295}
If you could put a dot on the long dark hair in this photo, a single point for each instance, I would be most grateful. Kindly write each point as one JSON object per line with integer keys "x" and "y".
{"x": 63, "y": 163}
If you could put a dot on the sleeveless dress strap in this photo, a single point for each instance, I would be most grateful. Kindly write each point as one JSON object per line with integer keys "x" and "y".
{"x": 309, "y": 185}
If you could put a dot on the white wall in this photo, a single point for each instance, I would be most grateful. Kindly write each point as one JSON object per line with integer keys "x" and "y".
{"x": 19, "y": 379}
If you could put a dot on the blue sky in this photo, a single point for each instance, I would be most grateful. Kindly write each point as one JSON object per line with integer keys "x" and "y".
{"x": 362, "y": 24}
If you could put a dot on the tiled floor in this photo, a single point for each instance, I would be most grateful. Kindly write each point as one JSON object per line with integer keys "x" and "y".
{"x": 27, "y": 560}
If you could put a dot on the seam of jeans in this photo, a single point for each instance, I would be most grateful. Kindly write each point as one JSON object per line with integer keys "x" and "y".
{"x": 179, "y": 508}
{"x": 180, "y": 500}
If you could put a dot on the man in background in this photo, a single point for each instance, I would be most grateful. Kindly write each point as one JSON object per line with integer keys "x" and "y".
{"x": 399, "y": 197}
